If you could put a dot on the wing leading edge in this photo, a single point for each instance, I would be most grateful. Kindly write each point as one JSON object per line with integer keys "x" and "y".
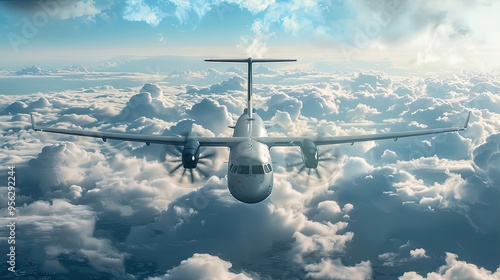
{"x": 231, "y": 141}
{"x": 295, "y": 141}
{"x": 148, "y": 139}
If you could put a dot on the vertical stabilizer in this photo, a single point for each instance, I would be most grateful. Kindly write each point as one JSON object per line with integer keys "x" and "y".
{"x": 250, "y": 62}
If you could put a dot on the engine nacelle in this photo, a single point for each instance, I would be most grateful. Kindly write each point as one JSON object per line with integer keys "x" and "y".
{"x": 309, "y": 153}
{"x": 191, "y": 154}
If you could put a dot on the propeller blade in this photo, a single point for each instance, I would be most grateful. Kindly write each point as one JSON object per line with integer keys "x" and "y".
{"x": 192, "y": 175}
{"x": 202, "y": 161}
{"x": 322, "y": 153}
{"x": 178, "y": 149}
{"x": 329, "y": 162}
{"x": 317, "y": 174}
{"x": 296, "y": 164}
{"x": 302, "y": 169}
{"x": 173, "y": 150}
{"x": 328, "y": 159}
{"x": 210, "y": 154}
{"x": 182, "y": 176}
{"x": 171, "y": 157}
{"x": 207, "y": 164}
{"x": 202, "y": 172}
{"x": 175, "y": 168}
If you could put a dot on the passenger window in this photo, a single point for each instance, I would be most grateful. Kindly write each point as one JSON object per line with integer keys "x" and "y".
{"x": 243, "y": 169}
{"x": 257, "y": 169}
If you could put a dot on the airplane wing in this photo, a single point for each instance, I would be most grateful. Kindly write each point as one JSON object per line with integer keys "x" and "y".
{"x": 231, "y": 141}
{"x": 148, "y": 139}
{"x": 295, "y": 141}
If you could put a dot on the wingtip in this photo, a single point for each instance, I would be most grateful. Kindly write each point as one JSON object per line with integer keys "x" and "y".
{"x": 32, "y": 121}
{"x": 467, "y": 121}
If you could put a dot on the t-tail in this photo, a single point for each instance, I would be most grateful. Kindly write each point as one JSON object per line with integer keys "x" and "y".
{"x": 250, "y": 61}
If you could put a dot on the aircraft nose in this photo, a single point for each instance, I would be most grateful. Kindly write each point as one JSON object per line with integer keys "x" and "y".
{"x": 266, "y": 188}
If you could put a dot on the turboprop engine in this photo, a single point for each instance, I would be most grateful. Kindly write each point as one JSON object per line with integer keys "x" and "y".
{"x": 309, "y": 153}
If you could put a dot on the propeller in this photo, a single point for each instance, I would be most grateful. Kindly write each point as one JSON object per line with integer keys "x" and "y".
{"x": 321, "y": 172}
{"x": 189, "y": 165}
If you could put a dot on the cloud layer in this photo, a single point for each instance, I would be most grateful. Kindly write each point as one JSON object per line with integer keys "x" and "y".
{"x": 393, "y": 208}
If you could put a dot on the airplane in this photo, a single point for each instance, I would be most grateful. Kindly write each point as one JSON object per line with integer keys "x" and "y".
{"x": 250, "y": 170}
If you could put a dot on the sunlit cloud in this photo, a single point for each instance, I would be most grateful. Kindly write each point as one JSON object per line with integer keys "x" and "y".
{"x": 117, "y": 197}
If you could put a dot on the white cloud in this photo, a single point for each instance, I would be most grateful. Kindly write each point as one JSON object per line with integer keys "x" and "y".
{"x": 486, "y": 160}
{"x": 256, "y": 45}
{"x": 33, "y": 70}
{"x": 361, "y": 112}
{"x": 393, "y": 259}
{"x": 81, "y": 9}
{"x": 348, "y": 229}
{"x": 333, "y": 269}
{"x": 182, "y": 8}
{"x": 202, "y": 266}
{"x": 60, "y": 165}
{"x": 328, "y": 210}
{"x": 354, "y": 167}
{"x": 449, "y": 32}
{"x": 418, "y": 254}
{"x": 389, "y": 258}
{"x": 284, "y": 103}
{"x": 455, "y": 269}
{"x": 254, "y": 6}
{"x": 232, "y": 84}
{"x": 62, "y": 10}
{"x": 149, "y": 102}
{"x": 217, "y": 120}
{"x": 80, "y": 120}
{"x": 319, "y": 238}
{"x": 138, "y": 10}
{"x": 59, "y": 228}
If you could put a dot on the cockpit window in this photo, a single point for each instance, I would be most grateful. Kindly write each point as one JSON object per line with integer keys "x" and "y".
{"x": 266, "y": 169}
{"x": 270, "y": 167}
{"x": 243, "y": 169}
{"x": 233, "y": 168}
{"x": 257, "y": 169}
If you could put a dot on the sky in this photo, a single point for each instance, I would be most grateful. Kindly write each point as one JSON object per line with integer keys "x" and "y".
{"x": 418, "y": 208}
{"x": 403, "y": 34}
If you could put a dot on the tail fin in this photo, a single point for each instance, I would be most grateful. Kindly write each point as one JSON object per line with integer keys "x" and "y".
{"x": 249, "y": 61}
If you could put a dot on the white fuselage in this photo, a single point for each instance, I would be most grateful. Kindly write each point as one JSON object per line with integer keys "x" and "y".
{"x": 250, "y": 174}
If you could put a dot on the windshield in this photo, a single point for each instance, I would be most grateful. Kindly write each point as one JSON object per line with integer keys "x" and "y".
{"x": 243, "y": 169}
{"x": 257, "y": 169}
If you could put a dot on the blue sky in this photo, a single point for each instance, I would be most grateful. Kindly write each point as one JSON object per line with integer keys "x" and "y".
{"x": 445, "y": 35}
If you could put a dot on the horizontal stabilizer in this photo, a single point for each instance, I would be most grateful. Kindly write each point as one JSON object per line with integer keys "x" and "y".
{"x": 247, "y": 60}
